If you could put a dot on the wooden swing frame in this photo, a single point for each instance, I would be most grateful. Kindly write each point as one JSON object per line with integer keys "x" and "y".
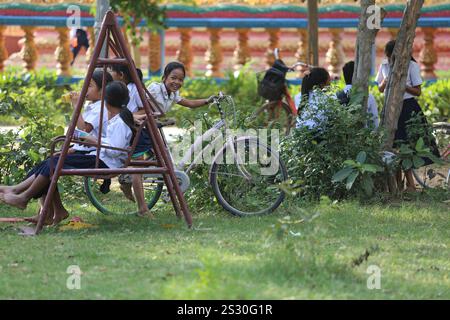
{"x": 111, "y": 37}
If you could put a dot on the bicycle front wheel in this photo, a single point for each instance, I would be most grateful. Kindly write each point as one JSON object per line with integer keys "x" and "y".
{"x": 113, "y": 200}
{"x": 246, "y": 178}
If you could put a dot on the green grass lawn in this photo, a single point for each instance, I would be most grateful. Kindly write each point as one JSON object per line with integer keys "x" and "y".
{"x": 309, "y": 256}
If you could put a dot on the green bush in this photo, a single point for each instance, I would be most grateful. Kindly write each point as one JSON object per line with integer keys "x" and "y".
{"x": 312, "y": 157}
{"x": 21, "y": 149}
{"x": 435, "y": 100}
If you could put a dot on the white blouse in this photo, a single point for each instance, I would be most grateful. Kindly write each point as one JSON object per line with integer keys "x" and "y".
{"x": 118, "y": 135}
{"x": 91, "y": 115}
{"x": 165, "y": 101}
{"x": 310, "y": 116}
{"x": 413, "y": 78}
{"x": 135, "y": 102}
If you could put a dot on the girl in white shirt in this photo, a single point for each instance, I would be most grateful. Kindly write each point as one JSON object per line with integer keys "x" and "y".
{"x": 119, "y": 134}
{"x": 166, "y": 94}
{"x": 409, "y": 107}
{"x": 89, "y": 120}
{"x": 306, "y": 102}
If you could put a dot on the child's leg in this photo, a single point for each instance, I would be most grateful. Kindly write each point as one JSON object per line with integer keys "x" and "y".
{"x": 18, "y": 188}
{"x": 49, "y": 219}
{"x": 138, "y": 189}
{"x": 399, "y": 177}
{"x": 410, "y": 182}
{"x": 125, "y": 186}
{"x": 60, "y": 212}
{"x": 21, "y": 200}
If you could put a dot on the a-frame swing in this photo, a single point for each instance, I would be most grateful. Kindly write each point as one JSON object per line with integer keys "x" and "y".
{"x": 111, "y": 36}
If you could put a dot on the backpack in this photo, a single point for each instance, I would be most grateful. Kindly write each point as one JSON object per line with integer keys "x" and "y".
{"x": 272, "y": 85}
{"x": 343, "y": 97}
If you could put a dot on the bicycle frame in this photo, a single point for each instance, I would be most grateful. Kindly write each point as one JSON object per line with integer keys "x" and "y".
{"x": 196, "y": 150}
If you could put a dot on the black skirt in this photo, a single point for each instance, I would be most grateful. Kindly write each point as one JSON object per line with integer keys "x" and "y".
{"x": 409, "y": 109}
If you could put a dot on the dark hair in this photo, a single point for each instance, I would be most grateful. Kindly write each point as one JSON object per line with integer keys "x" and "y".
{"x": 348, "y": 70}
{"x": 316, "y": 77}
{"x": 119, "y": 68}
{"x": 117, "y": 95}
{"x": 140, "y": 74}
{"x": 389, "y": 49}
{"x": 97, "y": 76}
{"x": 173, "y": 66}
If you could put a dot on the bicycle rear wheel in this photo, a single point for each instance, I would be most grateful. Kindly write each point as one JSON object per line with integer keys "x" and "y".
{"x": 114, "y": 201}
{"x": 248, "y": 184}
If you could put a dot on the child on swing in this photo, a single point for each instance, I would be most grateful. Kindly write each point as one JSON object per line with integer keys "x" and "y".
{"x": 119, "y": 133}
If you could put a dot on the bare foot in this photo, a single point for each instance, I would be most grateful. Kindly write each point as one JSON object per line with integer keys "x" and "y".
{"x": 126, "y": 189}
{"x": 34, "y": 220}
{"x": 411, "y": 189}
{"x": 60, "y": 216}
{"x": 13, "y": 200}
{"x": 6, "y": 189}
{"x": 146, "y": 214}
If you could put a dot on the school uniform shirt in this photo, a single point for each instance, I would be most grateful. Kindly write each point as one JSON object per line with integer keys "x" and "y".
{"x": 91, "y": 115}
{"x": 163, "y": 98}
{"x": 118, "y": 135}
{"x": 135, "y": 102}
{"x": 371, "y": 106}
{"x": 413, "y": 78}
{"x": 310, "y": 116}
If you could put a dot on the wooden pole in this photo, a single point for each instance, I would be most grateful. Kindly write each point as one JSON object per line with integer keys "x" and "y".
{"x": 102, "y": 7}
{"x": 313, "y": 32}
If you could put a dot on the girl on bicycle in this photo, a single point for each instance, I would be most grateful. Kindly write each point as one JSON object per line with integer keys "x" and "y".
{"x": 119, "y": 133}
{"x": 409, "y": 107}
{"x": 166, "y": 94}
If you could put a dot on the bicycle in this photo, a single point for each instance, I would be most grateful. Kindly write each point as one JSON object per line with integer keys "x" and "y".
{"x": 279, "y": 109}
{"x": 437, "y": 175}
{"x": 241, "y": 186}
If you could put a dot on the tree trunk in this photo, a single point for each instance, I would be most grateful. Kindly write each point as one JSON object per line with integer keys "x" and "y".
{"x": 101, "y": 9}
{"x": 396, "y": 84}
{"x": 367, "y": 32}
{"x": 313, "y": 33}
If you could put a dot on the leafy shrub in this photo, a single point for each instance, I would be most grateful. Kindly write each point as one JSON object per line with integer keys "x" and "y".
{"x": 435, "y": 100}
{"x": 21, "y": 149}
{"x": 312, "y": 157}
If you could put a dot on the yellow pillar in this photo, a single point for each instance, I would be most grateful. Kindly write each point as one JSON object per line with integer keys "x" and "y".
{"x": 90, "y": 51}
{"x": 63, "y": 53}
{"x": 274, "y": 39}
{"x": 428, "y": 56}
{"x": 335, "y": 53}
{"x": 242, "y": 53}
{"x": 29, "y": 51}
{"x": 213, "y": 55}
{"x": 393, "y": 32}
{"x": 184, "y": 54}
{"x": 302, "y": 52}
{"x": 154, "y": 53}
{"x": 3, "y": 52}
